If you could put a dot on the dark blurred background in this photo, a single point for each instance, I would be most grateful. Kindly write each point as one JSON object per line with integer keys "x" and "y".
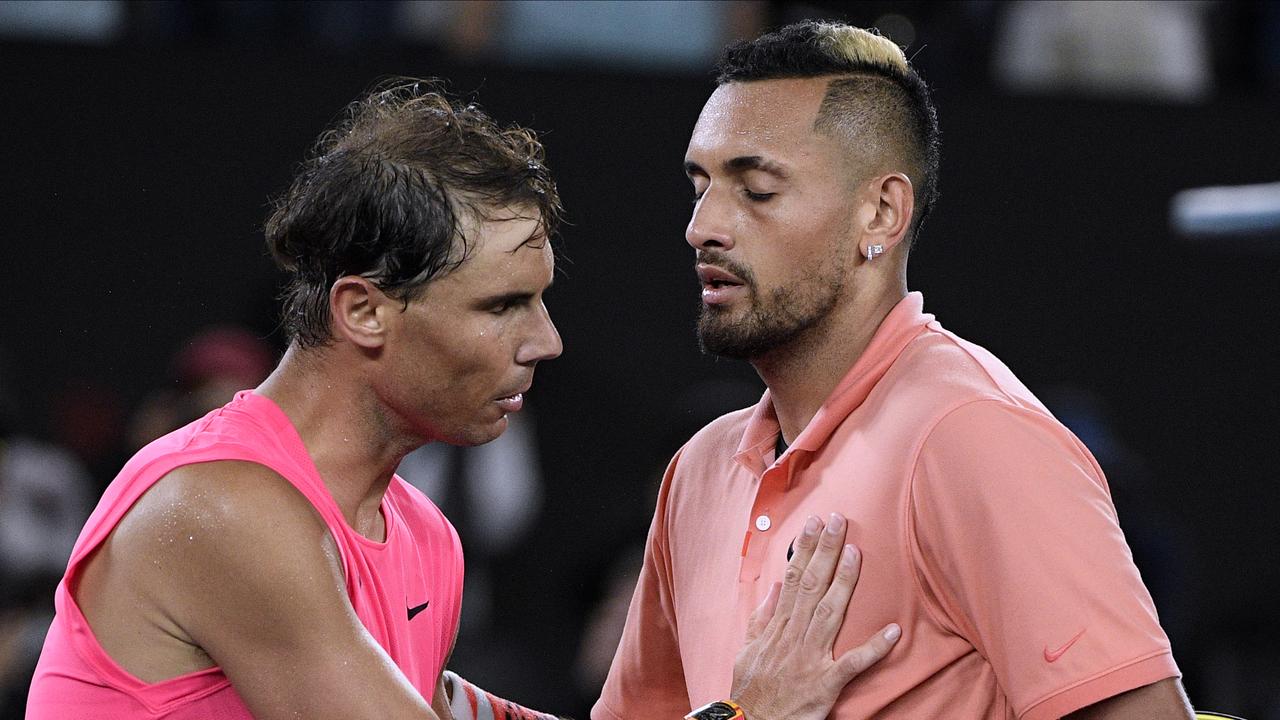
{"x": 142, "y": 142}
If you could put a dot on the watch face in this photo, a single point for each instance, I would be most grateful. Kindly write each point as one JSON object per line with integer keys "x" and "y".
{"x": 717, "y": 711}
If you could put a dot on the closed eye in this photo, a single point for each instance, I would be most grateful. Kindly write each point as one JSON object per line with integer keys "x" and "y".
{"x": 505, "y": 303}
{"x": 757, "y": 197}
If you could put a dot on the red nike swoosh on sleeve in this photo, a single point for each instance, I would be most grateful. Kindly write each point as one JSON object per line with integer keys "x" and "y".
{"x": 1053, "y": 655}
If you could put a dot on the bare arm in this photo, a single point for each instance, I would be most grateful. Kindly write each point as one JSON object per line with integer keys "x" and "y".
{"x": 1164, "y": 700}
{"x": 236, "y": 560}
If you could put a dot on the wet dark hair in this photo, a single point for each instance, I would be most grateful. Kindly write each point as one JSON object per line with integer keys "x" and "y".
{"x": 385, "y": 192}
{"x": 875, "y": 99}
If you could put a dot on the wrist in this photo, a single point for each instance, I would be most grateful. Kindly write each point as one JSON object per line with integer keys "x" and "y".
{"x": 718, "y": 710}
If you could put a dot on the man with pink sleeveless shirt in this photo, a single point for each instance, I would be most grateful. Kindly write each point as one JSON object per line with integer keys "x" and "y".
{"x": 265, "y": 561}
{"x": 986, "y": 529}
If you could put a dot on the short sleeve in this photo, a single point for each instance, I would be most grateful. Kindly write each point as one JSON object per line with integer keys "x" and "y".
{"x": 1017, "y": 542}
{"x": 646, "y": 678}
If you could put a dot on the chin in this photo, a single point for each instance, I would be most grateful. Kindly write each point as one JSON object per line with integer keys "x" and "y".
{"x": 481, "y": 434}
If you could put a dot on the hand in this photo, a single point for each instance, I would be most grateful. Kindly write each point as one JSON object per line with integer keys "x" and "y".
{"x": 786, "y": 671}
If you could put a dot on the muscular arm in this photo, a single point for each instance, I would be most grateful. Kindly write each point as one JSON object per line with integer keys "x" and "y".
{"x": 1162, "y": 700}
{"x": 232, "y": 559}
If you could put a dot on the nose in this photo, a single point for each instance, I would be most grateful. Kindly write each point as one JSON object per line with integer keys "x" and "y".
{"x": 544, "y": 341}
{"x": 709, "y": 228}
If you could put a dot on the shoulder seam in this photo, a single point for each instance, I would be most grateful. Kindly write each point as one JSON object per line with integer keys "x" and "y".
{"x": 910, "y": 526}
{"x": 995, "y": 384}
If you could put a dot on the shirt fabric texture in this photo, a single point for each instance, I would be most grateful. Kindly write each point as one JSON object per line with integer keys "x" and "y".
{"x": 986, "y": 531}
{"x": 419, "y": 562}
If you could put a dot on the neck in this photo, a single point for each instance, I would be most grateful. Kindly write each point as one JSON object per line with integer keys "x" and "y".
{"x": 346, "y": 431}
{"x": 802, "y": 374}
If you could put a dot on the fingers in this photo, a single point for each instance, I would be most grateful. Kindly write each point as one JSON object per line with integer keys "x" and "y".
{"x": 760, "y": 618}
{"x": 817, "y": 576}
{"x": 829, "y": 613}
{"x": 804, "y": 549}
{"x": 857, "y": 660}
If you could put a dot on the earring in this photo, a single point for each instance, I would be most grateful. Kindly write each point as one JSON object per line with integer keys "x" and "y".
{"x": 873, "y": 251}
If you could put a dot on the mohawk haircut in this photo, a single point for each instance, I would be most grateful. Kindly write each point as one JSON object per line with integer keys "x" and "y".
{"x": 876, "y": 102}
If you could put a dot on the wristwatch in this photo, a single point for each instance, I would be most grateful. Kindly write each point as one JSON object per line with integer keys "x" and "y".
{"x": 718, "y": 710}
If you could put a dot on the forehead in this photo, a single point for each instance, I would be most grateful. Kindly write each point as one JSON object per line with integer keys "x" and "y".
{"x": 508, "y": 243}
{"x": 760, "y": 117}
{"x": 505, "y": 231}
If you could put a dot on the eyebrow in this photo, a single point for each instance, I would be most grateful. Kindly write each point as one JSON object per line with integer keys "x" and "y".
{"x": 512, "y": 297}
{"x": 742, "y": 164}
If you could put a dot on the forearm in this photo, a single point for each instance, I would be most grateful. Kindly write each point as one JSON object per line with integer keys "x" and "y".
{"x": 469, "y": 702}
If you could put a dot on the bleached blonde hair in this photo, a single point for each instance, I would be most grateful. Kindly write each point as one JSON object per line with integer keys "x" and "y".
{"x": 856, "y": 45}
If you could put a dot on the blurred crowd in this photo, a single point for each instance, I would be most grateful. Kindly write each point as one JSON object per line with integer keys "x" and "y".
{"x": 1181, "y": 50}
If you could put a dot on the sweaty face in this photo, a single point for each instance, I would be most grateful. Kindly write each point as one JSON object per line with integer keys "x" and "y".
{"x": 465, "y": 350}
{"x": 772, "y": 220}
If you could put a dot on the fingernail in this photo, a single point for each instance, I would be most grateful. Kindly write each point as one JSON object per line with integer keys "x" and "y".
{"x": 893, "y": 632}
{"x": 835, "y": 526}
{"x": 850, "y": 554}
{"x": 811, "y": 525}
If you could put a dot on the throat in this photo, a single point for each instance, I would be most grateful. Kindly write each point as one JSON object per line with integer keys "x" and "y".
{"x": 370, "y": 523}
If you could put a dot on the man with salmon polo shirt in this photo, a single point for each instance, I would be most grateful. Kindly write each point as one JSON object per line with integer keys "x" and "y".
{"x": 265, "y": 561}
{"x": 985, "y": 528}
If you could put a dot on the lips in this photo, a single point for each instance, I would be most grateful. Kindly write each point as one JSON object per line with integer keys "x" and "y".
{"x": 719, "y": 286}
{"x": 513, "y": 402}
{"x": 714, "y": 277}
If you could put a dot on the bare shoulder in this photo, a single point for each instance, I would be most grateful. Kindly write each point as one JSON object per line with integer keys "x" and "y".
{"x": 227, "y": 564}
{"x": 204, "y": 536}
{"x": 203, "y": 527}
{"x": 221, "y": 500}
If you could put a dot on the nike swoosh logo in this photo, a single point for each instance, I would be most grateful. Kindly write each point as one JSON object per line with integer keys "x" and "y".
{"x": 415, "y": 610}
{"x": 1053, "y": 655}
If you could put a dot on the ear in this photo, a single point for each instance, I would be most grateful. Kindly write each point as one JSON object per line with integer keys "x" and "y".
{"x": 359, "y": 311}
{"x": 894, "y": 199}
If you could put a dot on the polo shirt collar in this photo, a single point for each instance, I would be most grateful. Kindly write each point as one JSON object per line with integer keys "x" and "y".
{"x": 903, "y": 323}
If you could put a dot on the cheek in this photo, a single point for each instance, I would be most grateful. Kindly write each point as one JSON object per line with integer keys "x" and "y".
{"x": 443, "y": 361}
{"x": 819, "y": 235}
{"x": 794, "y": 251}
{"x": 480, "y": 356}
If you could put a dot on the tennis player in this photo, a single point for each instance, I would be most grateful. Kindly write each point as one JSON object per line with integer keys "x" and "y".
{"x": 986, "y": 528}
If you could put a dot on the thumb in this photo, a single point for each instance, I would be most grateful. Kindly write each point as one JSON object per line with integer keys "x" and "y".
{"x": 852, "y": 663}
{"x": 762, "y": 614}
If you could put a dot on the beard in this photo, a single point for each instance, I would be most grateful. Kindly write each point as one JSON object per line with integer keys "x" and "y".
{"x": 769, "y": 321}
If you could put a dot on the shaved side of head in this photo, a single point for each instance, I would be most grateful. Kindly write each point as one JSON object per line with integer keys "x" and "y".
{"x": 876, "y": 103}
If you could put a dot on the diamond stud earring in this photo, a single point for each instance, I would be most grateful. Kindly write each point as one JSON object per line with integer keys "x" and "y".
{"x": 874, "y": 250}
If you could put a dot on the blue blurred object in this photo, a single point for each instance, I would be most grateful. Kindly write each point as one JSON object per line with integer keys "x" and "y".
{"x": 1238, "y": 210}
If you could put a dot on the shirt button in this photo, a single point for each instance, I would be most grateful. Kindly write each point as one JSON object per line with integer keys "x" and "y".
{"x": 763, "y": 523}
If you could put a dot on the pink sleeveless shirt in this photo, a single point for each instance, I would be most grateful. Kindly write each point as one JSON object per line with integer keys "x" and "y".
{"x": 407, "y": 590}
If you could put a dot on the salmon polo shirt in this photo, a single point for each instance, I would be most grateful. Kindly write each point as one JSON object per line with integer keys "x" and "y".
{"x": 986, "y": 530}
